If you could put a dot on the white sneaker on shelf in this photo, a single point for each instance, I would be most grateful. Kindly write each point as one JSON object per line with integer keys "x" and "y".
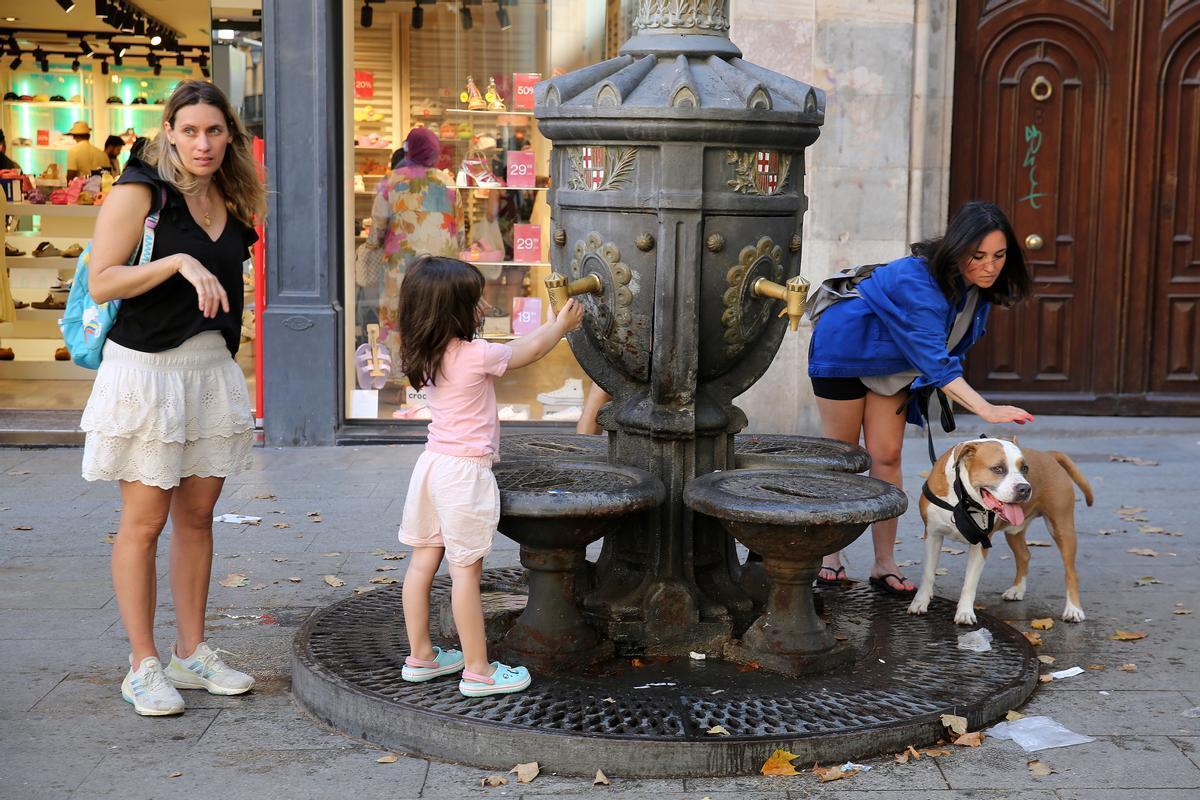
{"x": 513, "y": 413}
{"x": 205, "y": 670}
{"x": 148, "y": 689}
{"x": 564, "y": 414}
{"x": 571, "y": 392}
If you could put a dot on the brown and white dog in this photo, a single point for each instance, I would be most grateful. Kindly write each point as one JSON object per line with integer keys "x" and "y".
{"x": 1018, "y": 486}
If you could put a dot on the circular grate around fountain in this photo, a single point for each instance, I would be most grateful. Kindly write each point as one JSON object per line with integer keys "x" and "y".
{"x": 650, "y": 716}
{"x": 576, "y": 478}
{"x": 781, "y": 450}
{"x": 540, "y": 446}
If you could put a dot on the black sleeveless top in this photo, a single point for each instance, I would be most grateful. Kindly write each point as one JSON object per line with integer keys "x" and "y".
{"x": 168, "y": 315}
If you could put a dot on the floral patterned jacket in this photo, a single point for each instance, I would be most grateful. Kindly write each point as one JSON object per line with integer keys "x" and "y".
{"x": 414, "y": 213}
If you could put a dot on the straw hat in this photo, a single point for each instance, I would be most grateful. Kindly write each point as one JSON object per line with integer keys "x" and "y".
{"x": 80, "y": 128}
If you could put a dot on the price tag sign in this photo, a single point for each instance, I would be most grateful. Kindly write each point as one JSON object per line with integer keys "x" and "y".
{"x": 43, "y": 138}
{"x": 527, "y": 243}
{"x": 520, "y": 169}
{"x": 523, "y": 90}
{"x": 364, "y": 84}
{"x": 527, "y": 315}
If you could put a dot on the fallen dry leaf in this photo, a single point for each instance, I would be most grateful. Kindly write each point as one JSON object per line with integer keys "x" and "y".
{"x": 954, "y": 551}
{"x": 526, "y": 772}
{"x": 601, "y": 779}
{"x": 361, "y": 590}
{"x": 175, "y": 775}
{"x": 314, "y": 518}
{"x": 109, "y": 538}
{"x": 1096, "y": 667}
{"x": 390, "y": 758}
{"x": 955, "y": 724}
{"x": 383, "y": 579}
{"x": 827, "y": 774}
{"x": 264, "y": 497}
{"x": 717, "y": 730}
{"x": 941, "y": 571}
{"x": 1129, "y": 668}
{"x": 1039, "y": 769}
{"x": 1013, "y": 716}
{"x": 1147, "y": 580}
{"x": 1047, "y": 659}
{"x": 1043, "y": 624}
{"x": 1151, "y": 529}
{"x": 1142, "y": 551}
{"x": 334, "y": 554}
{"x": 22, "y": 527}
{"x": 780, "y": 763}
{"x": 1034, "y": 638}
{"x": 493, "y": 780}
{"x": 934, "y": 752}
{"x": 1045, "y": 678}
{"x": 1138, "y": 462}
{"x": 280, "y": 525}
{"x": 334, "y": 581}
{"x": 294, "y": 579}
{"x": 973, "y": 739}
{"x": 1106, "y": 531}
{"x": 1126, "y": 510}
{"x": 1182, "y": 611}
{"x": 1038, "y": 543}
{"x": 393, "y": 556}
{"x": 235, "y": 580}
{"x": 749, "y": 666}
{"x": 1127, "y": 636}
{"x": 909, "y": 752}
{"x": 386, "y": 569}
{"x": 279, "y": 559}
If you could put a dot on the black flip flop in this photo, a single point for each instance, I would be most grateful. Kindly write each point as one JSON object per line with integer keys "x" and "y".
{"x": 826, "y": 583}
{"x": 882, "y": 585}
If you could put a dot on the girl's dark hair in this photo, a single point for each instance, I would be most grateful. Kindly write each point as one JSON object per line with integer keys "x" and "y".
{"x": 946, "y": 255}
{"x": 438, "y": 302}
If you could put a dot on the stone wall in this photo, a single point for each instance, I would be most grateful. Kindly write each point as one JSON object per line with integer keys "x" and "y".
{"x": 877, "y": 178}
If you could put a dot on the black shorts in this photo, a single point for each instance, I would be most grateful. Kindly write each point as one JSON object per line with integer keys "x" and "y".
{"x": 839, "y": 388}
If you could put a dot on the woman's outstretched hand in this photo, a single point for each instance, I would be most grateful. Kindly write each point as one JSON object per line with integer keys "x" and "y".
{"x": 994, "y": 414}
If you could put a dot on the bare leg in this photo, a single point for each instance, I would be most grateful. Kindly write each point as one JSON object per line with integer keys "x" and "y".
{"x": 841, "y": 420}
{"x": 191, "y": 556}
{"x": 883, "y": 431}
{"x": 468, "y": 616}
{"x": 418, "y": 580}
{"x": 143, "y": 514}
{"x": 596, "y": 398}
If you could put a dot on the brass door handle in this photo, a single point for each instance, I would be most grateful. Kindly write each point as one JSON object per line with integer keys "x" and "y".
{"x": 1033, "y": 242}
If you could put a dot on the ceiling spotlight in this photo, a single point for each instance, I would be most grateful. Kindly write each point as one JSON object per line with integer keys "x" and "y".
{"x": 16, "y": 62}
{"x": 179, "y": 59}
{"x": 13, "y": 47}
{"x": 103, "y": 66}
{"x": 85, "y": 47}
{"x": 155, "y": 40}
{"x": 101, "y": 9}
{"x": 45, "y": 65}
{"x": 418, "y": 16}
{"x": 157, "y": 69}
{"x": 117, "y": 57}
{"x": 67, "y": 5}
{"x": 367, "y": 17}
{"x": 204, "y": 66}
{"x": 75, "y": 65}
{"x": 464, "y": 16}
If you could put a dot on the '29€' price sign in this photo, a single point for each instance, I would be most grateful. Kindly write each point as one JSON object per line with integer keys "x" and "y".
{"x": 523, "y": 83}
{"x": 527, "y": 243}
{"x": 520, "y": 170}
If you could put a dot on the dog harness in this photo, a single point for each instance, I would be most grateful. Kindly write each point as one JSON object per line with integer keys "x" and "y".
{"x": 964, "y": 511}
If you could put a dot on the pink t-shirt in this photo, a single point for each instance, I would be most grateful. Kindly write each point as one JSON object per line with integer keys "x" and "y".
{"x": 463, "y": 402}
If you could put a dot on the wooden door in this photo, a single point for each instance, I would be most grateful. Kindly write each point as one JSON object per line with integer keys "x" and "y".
{"x": 1042, "y": 128}
{"x": 1162, "y": 358}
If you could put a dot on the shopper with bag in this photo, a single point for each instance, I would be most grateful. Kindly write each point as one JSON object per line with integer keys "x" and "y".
{"x": 169, "y": 415}
{"x": 886, "y": 336}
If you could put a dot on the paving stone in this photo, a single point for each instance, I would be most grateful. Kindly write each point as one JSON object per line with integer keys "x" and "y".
{"x": 1123, "y": 794}
{"x": 453, "y": 780}
{"x": 58, "y": 582}
{"x": 54, "y": 623}
{"x": 1086, "y": 711}
{"x": 245, "y": 730}
{"x": 884, "y": 773}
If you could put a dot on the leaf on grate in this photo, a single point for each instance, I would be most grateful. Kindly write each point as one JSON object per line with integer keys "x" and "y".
{"x": 526, "y": 772}
{"x": 1034, "y": 638}
{"x": 1142, "y": 551}
{"x": 264, "y": 496}
{"x": 1047, "y": 660}
{"x": 973, "y": 739}
{"x": 1043, "y": 624}
{"x": 1045, "y": 678}
{"x": 1137, "y": 462}
{"x": 386, "y": 569}
{"x": 360, "y": 590}
{"x": 749, "y": 666}
{"x": 1129, "y": 667}
{"x": 1013, "y": 716}
{"x": 827, "y": 774}
{"x": 955, "y": 724}
{"x": 390, "y": 758}
{"x": 717, "y": 730}
{"x": 235, "y": 580}
{"x": 493, "y": 780}
{"x": 780, "y": 763}
{"x": 334, "y": 581}
{"x": 601, "y": 779}
{"x": 909, "y": 752}
{"x": 610, "y": 700}
{"x": 1096, "y": 667}
{"x": 1127, "y": 636}
{"x": 1039, "y": 769}
{"x": 1147, "y": 580}
{"x": 294, "y": 579}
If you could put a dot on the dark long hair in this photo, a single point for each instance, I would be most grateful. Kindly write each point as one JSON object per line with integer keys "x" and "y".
{"x": 438, "y": 302}
{"x": 946, "y": 255}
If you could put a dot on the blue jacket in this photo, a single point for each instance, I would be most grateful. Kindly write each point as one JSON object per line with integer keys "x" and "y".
{"x": 900, "y": 322}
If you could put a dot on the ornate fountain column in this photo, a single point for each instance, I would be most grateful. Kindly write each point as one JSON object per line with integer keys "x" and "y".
{"x": 679, "y": 183}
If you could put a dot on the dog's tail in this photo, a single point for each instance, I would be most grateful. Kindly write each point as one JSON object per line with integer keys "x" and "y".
{"x": 1066, "y": 463}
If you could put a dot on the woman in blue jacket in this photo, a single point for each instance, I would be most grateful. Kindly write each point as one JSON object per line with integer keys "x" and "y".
{"x": 908, "y": 329}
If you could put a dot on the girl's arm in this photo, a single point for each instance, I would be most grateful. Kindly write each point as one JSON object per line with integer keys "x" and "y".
{"x": 961, "y": 392}
{"x": 533, "y": 346}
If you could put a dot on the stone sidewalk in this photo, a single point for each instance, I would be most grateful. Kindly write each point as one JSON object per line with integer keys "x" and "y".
{"x": 66, "y": 733}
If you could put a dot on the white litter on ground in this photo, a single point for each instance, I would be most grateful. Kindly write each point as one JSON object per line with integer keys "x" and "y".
{"x": 1066, "y": 673}
{"x": 979, "y": 641}
{"x": 238, "y": 519}
{"x": 1037, "y": 733}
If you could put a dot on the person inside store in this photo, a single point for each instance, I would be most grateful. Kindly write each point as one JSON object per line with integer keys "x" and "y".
{"x": 397, "y": 157}
{"x": 84, "y": 157}
{"x": 112, "y": 149}
{"x": 413, "y": 213}
{"x": 901, "y": 331}
{"x": 5, "y": 161}
{"x": 453, "y": 504}
{"x": 169, "y": 414}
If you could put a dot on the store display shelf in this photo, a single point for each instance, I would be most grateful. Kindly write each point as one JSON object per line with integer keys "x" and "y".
{"x": 42, "y": 369}
{"x": 489, "y": 113}
{"x": 34, "y": 262}
{"x": 367, "y": 148}
{"x": 50, "y": 210}
{"x": 50, "y": 237}
{"x": 501, "y": 188}
{"x": 510, "y": 263}
{"x": 137, "y": 106}
{"x": 45, "y": 104}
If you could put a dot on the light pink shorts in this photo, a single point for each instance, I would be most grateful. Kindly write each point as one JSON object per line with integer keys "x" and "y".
{"x": 452, "y": 502}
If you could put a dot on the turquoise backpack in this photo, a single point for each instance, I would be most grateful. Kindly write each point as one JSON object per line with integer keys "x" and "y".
{"x": 85, "y": 323}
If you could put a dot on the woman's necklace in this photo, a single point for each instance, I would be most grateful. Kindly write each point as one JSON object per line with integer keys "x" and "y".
{"x": 204, "y": 210}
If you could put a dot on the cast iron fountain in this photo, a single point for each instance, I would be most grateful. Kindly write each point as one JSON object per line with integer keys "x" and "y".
{"x": 677, "y": 209}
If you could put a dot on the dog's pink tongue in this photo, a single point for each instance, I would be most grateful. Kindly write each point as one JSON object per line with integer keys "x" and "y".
{"x": 1013, "y": 514}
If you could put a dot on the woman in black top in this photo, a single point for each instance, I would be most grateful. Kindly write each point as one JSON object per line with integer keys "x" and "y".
{"x": 169, "y": 414}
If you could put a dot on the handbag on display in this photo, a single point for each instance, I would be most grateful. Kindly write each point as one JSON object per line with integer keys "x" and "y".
{"x": 368, "y": 266}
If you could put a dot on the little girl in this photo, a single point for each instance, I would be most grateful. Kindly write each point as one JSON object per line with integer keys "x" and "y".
{"x": 453, "y": 503}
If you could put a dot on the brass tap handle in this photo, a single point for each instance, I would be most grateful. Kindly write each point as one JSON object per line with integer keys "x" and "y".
{"x": 794, "y": 294}
{"x": 560, "y": 290}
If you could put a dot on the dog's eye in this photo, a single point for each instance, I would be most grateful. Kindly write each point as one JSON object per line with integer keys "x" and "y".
{"x": 998, "y": 469}
{"x": 1024, "y": 469}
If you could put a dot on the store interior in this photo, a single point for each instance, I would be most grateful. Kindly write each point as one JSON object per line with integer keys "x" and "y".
{"x": 102, "y": 68}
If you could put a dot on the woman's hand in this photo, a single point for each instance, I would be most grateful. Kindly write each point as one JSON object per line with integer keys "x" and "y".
{"x": 993, "y": 414}
{"x": 209, "y": 292}
{"x": 570, "y": 317}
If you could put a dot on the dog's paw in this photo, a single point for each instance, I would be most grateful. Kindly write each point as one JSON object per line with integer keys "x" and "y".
{"x": 1016, "y": 592}
{"x": 1073, "y": 613}
{"x": 965, "y": 616}
{"x": 919, "y": 605}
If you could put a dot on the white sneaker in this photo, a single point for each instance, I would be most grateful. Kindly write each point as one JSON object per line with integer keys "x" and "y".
{"x": 206, "y": 670}
{"x": 570, "y": 392}
{"x": 513, "y": 413}
{"x": 566, "y": 414}
{"x": 148, "y": 689}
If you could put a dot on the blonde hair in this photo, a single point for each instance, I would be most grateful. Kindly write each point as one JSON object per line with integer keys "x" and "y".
{"x": 238, "y": 177}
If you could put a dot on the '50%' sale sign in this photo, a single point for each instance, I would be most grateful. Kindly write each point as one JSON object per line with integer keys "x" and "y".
{"x": 523, "y": 90}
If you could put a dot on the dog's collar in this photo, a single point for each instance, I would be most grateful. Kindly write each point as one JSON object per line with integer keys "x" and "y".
{"x": 964, "y": 512}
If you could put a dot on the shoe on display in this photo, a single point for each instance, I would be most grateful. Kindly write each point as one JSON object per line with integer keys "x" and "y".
{"x": 46, "y": 250}
{"x": 513, "y": 413}
{"x": 359, "y": 184}
{"x": 494, "y": 101}
{"x": 148, "y": 689}
{"x": 564, "y": 414}
{"x": 113, "y": 100}
{"x": 11, "y": 251}
{"x": 497, "y": 326}
{"x": 62, "y": 354}
{"x": 373, "y": 367}
{"x": 571, "y": 392}
{"x": 472, "y": 97}
{"x": 36, "y": 197}
{"x": 478, "y": 173}
{"x": 50, "y": 304}
{"x": 204, "y": 669}
{"x": 448, "y": 130}
{"x": 20, "y": 304}
{"x": 72, "y": 251}
{"x": 478, "y": 251}
{"x": 6, "y": 353}
{"x": 51, "y": 172}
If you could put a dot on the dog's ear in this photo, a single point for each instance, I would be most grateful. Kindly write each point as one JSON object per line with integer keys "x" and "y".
{"x": 964, "y": 452}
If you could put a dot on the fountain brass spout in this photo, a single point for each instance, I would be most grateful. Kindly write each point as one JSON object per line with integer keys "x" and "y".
{"x": 560, "y": 290}
{"x": 794, "y": 293}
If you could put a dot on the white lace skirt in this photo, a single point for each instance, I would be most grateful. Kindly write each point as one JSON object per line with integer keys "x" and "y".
{"x": 157, "y": 417}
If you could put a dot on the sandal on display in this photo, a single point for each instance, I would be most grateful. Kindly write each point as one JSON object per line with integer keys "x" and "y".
{"x": 72, "y": 251}
{"x": 62, "y": 354}
{"x": 7, "y": 354}
{"x": 20, "y": 304}
{"x": 12, "y": 252}
{"x": 373, "y": 365}
{"x": 472, "y": 97}
{"x": 480, "y": 252}
{"x": 47, "y": 250}
{"x": 476, "y": 172}
{"x": 50, "y": 304}
{"x": 494, "y": 101}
